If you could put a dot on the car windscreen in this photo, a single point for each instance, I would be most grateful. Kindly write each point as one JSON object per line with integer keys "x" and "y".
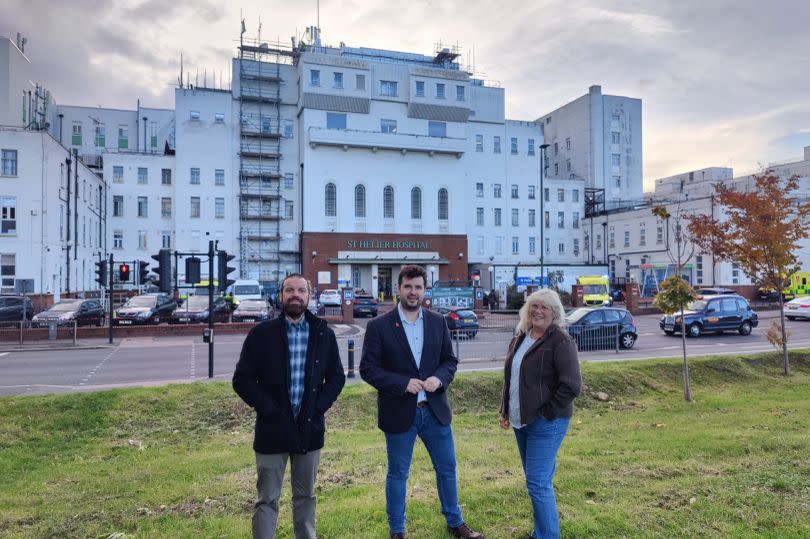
{"x": 465, "y": 313}
{"x": 576, "y": 315}
{"x": 252, "y": 305}
{"x": 66, "y": 306}
{"x": 197, "y": 303}
{"x": 247, "y": 290}
{"x": 141, "y": 301}
{"x": 698, "y": 305}
{"x": 594, "y": 289}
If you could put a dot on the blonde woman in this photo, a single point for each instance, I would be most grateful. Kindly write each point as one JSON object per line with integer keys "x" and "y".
{"x": 541, "y": 381}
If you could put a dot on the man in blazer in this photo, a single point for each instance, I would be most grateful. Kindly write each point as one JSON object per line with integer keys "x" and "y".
{"x": 290, "y": 373}
{"x": 408, "y": 357}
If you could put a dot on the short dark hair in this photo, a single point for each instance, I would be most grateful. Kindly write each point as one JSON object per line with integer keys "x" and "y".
{"x": 412, "y": 271}
{"x": 293, "y": 276}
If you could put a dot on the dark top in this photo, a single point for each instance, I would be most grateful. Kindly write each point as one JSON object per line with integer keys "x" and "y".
{"x": 262, "y": 379}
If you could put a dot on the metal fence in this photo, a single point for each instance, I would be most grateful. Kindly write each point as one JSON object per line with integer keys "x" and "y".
{"x": 597, "y": 337}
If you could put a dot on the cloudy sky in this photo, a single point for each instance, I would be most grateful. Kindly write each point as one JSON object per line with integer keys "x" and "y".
{"x": 722, "y": 82}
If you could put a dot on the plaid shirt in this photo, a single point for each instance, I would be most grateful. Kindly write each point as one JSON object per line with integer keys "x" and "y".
{"x": 297, "y": 337}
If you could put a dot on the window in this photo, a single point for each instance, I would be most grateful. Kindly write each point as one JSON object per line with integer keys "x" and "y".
{"x": 8, "y": 215}
{"x": 123, "y": 137}
{"x": 437, "y": 129}
{"x": 545, "y": 193}
{"x": 143, "y": 207}
{"x": 288, "y": 180}
{"x": 153, "y": 134}
{"x": 165, "y": 207}
{"x": 479, "y": 189}
{"x": 568, "y": 165}
{"x": 479, "y": 216}
{"x": 388, "y": 126}
{"x": 360, "y": 201}
{"x": 76, "y": 138}
{"x": 459, "y": 93}
{"x": 531, "y": 218}
{"x": 642, "y": 234}
{"x": 497, "y": 216}
{"x": 515, "y": 191}
{"x": 626, "y": 236}
{"x": 142, "y": 239}
{"x": 599, "y": 241}
{"x": 576, "y": 246}
{"x": 288, "y": 129}
{"x": 560, "y": 195}
{"x": 9, "y": 163}
{"x": 615, "y": 159}
{"x": 388, "y": 202}
{"x": 219, "y": 208}
{"x": 615, "y": 137}
{"x": 143, "y": 175}
{"x": 195, "y": 176}
{"x": 556, "y": 169}
{"x": 659, "y": 234}
{"x": 439, "y": 91}
{"x": 547, "y": 219}
{"x": 532, "y": 248}
{"x": 556, "y": 148}
{"x": 416, "y": 203}
{"x": 195, "y": 207}
{"x": 335, "y": 120}
{"x": 479, "y": 143}
{"x": 515, "y": 217}
{"x": 444, "y": 204}
{"x": 575, "y": 220}
{"x": 496, "y": 190}
{"x": 515, "y": 245}
{"x": 420, "y": 88}
{"x": 560, "y": 219}
{"x": 337, "y": 80}
{"x": 531, "y": 192}
{"x": 699, "y": 268}
{"x": 166, "y": 237}
{"x": 561, "y": 247}
{"x": 359, "y": 82}
{"x": 568, "y": 143}
{"x": 513, "y": 145}
{"x": 118, "y": 205}
{"x": 496, "y": 144}
{"x": 101, "y": 136}
{"x": 219, "y": 117}
{"x": 479, "y": 245}
{"x": 388, "y": 88}
{"x": 498, "y": 245}
{"x": 194, "y": 115}
{"x": 314, "y": 77}
{"x": 616, "y": 118}
{"x": 575, "y": 195}
{"x": 735, "y": 274}
{"x": 118, "y": 239}
{"x": 118, "y": 174}
{"x": 330, "y": 200}
{"x": 219, "y": 176}
{"x": 617, "y": 181}
{"x": 611, "y": 238}
{"x": 166, "y": 176}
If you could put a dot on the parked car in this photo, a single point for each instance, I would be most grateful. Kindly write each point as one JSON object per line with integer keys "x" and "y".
{"x": 330, "y": 297}
{"x": 364, "y": 305}
{"x": 11, "y": 309}
{"x": 601, "y": 328}
{"x": 145, "y": 309}
{"x": 252, "y": 310}
{"x": 460, "y": 321}
{"x": 712, "y": 291}
{"x": 798, "y": 308}
{"x": 84, "y": 312}
{"x": 243, "y": 289}
{"x": 714, "y": 314}
{"x": 195, "y": 310}
{"x": 767, "y": 294}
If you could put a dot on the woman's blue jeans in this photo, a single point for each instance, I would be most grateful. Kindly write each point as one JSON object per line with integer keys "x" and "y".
{"x": 538, "y": 443}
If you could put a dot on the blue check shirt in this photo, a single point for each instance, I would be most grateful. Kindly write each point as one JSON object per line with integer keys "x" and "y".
{"x": 297, "y": 337}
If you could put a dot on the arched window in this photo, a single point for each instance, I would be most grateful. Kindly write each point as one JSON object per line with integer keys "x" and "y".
{"x": 330, "y": 195}
{"x": 359, "y": 201}
{"x": 443, "y": 204}
{"x": 388, "y": 202}
{"x": 416, "y": 203}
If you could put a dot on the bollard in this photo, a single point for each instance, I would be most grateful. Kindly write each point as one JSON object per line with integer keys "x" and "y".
{"x": 350, "y": 373}
{"x": 75, "y": 326}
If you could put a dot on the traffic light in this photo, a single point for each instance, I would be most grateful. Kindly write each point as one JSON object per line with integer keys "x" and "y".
{"x": 123, "y": 273}
{"x": 101, "y": 273}
{"x": 143, "y": 270}
{"x": 192, "y": 270}
{"x": 164, "y": 270}
{"x": 224, "y": 270}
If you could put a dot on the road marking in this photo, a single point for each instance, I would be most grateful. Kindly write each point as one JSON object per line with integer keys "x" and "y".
{"x": 193, "y": 360}
{"x": 97, "y": 367}
{"x": 3, "y": 354}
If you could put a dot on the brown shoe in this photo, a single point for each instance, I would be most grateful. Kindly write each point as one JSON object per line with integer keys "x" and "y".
{"x": 402, "y": 535}
{"x": 465, "y": 531}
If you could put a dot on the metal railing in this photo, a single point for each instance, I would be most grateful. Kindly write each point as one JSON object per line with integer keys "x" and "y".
{"x": 597, "y": 337}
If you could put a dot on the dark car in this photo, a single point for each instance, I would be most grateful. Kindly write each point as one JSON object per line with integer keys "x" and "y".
{"x": 714, "y": 314}
{"x": 12, "y": 307}
{"x": 600, "y": 328}
{"x": 195, "y": 310}
{"x": 84, "y": 312}
{"x": 460, "y": 321}
{"x": 713, "y": 291}
{"x": 364, "y": 305}
{"x": 252, "y": 310}
{"x": 145, "y": 309}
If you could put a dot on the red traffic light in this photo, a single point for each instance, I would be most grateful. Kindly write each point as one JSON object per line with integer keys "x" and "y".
{"x": 123, "y": 273}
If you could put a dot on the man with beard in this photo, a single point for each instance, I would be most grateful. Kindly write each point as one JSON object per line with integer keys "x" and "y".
{"x": 408, "y": 358}
{"x": 290, "y": 372}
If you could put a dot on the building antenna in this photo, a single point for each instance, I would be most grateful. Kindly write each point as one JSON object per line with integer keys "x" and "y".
{"x": 181, "y": 71}
{"x": 319, "y": 13}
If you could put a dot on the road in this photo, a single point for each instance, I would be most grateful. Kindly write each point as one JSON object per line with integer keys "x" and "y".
{"x": 155, "y": 361}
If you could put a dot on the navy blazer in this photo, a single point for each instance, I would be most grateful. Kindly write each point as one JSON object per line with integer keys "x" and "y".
{"x": 388, "y": 364}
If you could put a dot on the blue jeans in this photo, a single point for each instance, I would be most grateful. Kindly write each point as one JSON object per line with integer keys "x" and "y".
{"x": 438, "y": 440}
{"x": 538, "y": 443}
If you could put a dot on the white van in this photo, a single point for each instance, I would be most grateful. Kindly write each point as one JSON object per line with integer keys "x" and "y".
{"x": 244, "y": 289}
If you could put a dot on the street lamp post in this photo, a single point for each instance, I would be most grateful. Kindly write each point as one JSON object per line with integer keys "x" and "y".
{"x": 542, "y": 217}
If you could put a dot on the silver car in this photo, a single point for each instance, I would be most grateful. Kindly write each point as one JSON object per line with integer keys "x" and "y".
{"x": 798, "y": 308}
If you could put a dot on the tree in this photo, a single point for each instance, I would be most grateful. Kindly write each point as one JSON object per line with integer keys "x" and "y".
{"x": 674, "y": 293}
{"x": 759, "y": 230}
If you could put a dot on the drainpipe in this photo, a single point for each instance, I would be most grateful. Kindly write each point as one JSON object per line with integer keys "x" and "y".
{"x": 68, "y": 162}
{"x": 76, "y": 206}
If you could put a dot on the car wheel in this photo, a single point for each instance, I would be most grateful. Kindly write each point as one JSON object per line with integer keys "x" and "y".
{"x": 693, "y": 330}
{"x": 670, "y": 333}
{"x": 471, "y": 334}
{"x": 791, "y": 318}
{"x": 745, "y": 328}
{"x": 627, "y": 340}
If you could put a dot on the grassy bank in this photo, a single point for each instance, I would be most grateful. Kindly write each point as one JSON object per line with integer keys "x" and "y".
{"x": 176, "y": 461}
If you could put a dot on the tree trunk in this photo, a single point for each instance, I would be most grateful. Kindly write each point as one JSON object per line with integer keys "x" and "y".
{"x": 687, "y": 388}
{"x": 785, "y": 360}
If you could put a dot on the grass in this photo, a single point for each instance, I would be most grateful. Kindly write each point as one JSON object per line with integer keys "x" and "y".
{"x": 176, "y": 461}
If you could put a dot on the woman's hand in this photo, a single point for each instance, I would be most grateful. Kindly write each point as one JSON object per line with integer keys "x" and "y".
{"x": 503, "y": 422}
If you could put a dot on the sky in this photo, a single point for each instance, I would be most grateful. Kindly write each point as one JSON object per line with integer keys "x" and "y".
{"x": 722, "y": 82}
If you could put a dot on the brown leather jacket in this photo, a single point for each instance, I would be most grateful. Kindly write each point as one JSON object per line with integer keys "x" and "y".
{"x": 549, "y": 376}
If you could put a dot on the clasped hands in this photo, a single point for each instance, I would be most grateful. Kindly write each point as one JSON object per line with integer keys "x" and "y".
{"x": 415, "y": 385}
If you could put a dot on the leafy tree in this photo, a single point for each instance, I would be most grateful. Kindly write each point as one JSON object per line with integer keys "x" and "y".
{"x": 759, "y": 230}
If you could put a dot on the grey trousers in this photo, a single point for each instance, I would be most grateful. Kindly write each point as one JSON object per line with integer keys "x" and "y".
{"x": 270, "y": 470}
